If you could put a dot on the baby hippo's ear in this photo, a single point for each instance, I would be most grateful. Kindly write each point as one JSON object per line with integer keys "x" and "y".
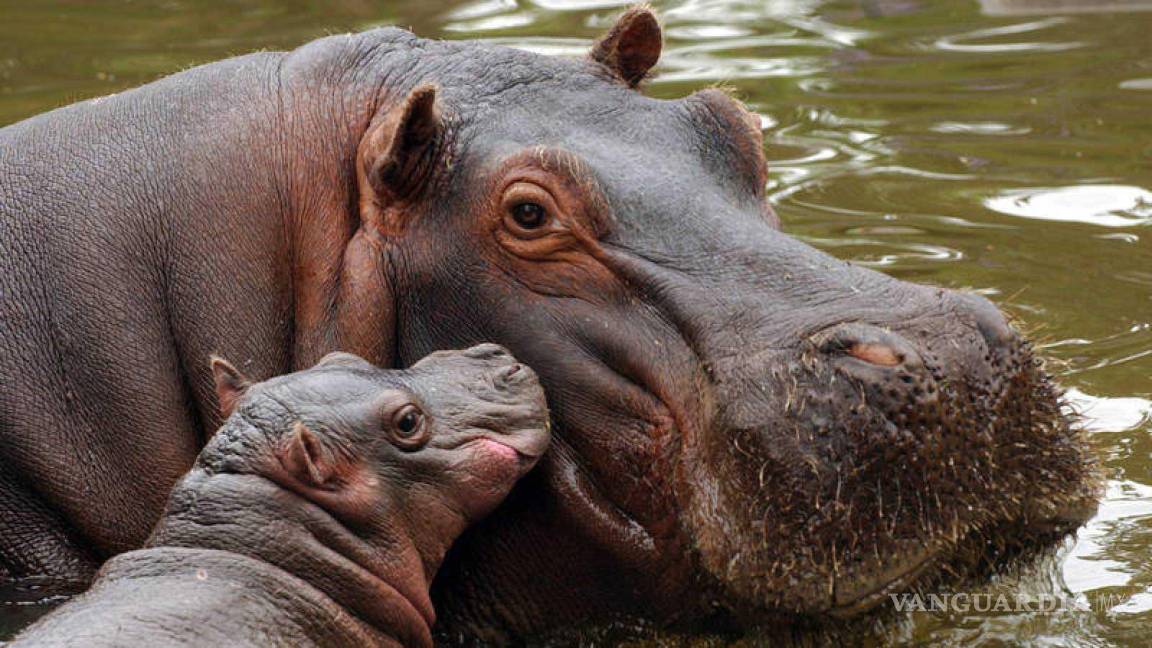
{"x": 231, "y": 385}
{"x": 330, "y": 478}
{"x": 306, "y": 459}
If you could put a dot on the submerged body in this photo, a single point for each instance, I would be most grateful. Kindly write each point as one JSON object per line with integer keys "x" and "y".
{"x": 746, "y": 428}
{"x": 320, "y": 512}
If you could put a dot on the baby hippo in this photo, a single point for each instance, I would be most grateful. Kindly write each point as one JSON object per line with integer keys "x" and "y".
{"x": 320, "y": 511}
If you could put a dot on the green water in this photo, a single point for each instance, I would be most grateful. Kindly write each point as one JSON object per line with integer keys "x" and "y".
{"x": 947, "y": 141}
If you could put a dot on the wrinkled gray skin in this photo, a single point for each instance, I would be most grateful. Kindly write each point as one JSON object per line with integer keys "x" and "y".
{"x": 327, "y": 534}
{"x": 746, "y": 429}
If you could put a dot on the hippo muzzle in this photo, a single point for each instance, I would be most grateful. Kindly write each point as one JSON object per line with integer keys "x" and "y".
{"x": 878, "y": 454}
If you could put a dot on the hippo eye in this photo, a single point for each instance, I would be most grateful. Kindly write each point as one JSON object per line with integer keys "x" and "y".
{"x": 529, "y": 215}
{"x": 408, "y": 421}
{"x": 409, "y": 427}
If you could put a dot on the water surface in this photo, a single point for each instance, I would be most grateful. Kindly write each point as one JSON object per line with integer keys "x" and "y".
{"x": 1003, "y": 146}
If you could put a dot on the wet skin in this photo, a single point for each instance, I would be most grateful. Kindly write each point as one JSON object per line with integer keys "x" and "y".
{"x": 746, "y": 429}
{"x": 321, "y": 510}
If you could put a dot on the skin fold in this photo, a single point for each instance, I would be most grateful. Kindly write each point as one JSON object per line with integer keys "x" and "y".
{"x": 746, "y": 430}
{"x": 321, "y": 510}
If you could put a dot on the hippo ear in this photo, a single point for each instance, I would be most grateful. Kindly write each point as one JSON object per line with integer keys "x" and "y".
{"x": 231, "y": 385}
{"x": 631, "y": 47}
{"x": 395, "y": 157}
{"x": 306, "y": 459}
{"x": 395, "y": 161}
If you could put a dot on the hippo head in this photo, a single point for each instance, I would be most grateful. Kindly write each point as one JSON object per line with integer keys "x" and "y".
{"x": 744, "y": 426}
{"x": 428, "y": 450}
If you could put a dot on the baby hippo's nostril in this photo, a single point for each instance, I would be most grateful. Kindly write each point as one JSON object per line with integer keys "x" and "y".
{"x": 509, "y": 374}
{"x": 514, "y": 375}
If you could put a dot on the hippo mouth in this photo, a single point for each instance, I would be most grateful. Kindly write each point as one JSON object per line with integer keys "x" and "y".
{"x": 525, "y": 454}
{"x": 848, "y": 592}
{"x": 971, "y": 557}
{"x": 851, "y": 597}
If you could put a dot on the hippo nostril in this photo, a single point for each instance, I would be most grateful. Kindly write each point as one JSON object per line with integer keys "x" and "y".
{"x": 511, "y": 375}
{"x": 876, "y": 354}
{"x": 990, "y": 321}
{"x": 871, "y": 344}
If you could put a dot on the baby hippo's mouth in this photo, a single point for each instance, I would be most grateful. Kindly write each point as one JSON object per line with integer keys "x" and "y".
{"x": 521, "y": 453}
{"x": 502, "y": 449}
{"x": 493, "y": 465}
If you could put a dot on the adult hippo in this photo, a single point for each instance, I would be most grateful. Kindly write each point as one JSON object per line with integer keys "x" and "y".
{"x": 745, "y": 427}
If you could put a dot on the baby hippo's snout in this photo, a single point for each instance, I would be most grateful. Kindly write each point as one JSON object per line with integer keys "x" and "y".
{"x": 491, "y": 415}
{"x": 506, "y": 372}
{"x": 510, "y": 380}
{"x": 501, "y": 414}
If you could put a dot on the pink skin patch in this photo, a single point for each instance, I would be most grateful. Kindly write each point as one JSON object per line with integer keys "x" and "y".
{"x": 504, "y": 451}
{"x": 493, "y": 461}
{"x": 876, "y": 354}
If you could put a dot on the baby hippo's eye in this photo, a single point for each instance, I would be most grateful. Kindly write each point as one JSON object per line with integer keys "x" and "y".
{"x": 409, "y": 422}
{"x": 409, "y": 428}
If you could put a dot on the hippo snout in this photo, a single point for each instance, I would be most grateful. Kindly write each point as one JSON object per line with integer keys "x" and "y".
{"x": 495, "y": 398}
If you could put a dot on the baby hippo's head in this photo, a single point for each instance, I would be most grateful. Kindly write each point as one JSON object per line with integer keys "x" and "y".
{"x": 429, "y": 449}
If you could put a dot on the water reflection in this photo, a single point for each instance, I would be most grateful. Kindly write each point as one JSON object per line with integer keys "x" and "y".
{"x": 1136, "y": 84}
{"x": 1104, "y": 205}
{"x": 962, "y": 42}
{"x": 1044, "y": 7}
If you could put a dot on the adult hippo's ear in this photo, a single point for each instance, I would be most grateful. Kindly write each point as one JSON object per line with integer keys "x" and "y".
{"x": 395, "y": 161}
{"x": 397, "y": 157}
{"x": 631, "y": 48}
{"x": 231, "y": 385}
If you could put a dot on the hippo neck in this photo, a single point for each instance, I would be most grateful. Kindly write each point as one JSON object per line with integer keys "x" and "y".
{"x": 382, "y": 583}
